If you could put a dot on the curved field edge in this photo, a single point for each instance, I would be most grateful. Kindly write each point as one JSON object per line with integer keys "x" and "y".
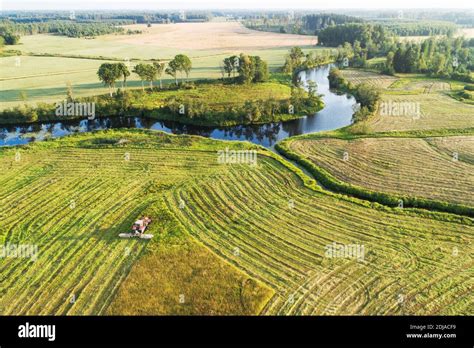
{"x": 327, "y": 180}
{"x": 243, "y": 208}
{"x": 283, "y": 245}
{"x": 64, "y": 224}
{"x": 422, "y": 167}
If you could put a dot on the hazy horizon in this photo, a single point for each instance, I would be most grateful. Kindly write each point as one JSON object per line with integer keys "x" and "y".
{"x": 9, "y": 5}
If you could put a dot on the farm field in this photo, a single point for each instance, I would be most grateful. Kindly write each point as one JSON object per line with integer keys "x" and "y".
{"x": 220, "y": 95}
{"x": 45, "y": 78}
{"x": 465, "y": 32}
{"x": 357, "y": 76}
{"x": 437, "y": 109}
{"x": 212, "y": 35}
{"x": 75, "y": 221}
{"x": 422, "y": 167}
{"x": 185, "y": 278}
{"x": 268, "y": 226}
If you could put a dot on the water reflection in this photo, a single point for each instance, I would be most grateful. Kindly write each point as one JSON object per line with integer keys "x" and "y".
{"x": 337, "y": 113}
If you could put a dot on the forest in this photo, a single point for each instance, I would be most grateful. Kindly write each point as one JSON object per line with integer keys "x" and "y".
{"x": 419, "y": 28}
{"x": 445, "y": 57}
{"x": 65, "y": 27}
{"x": 314, "y": 23}
{"x": 437, "y": 56}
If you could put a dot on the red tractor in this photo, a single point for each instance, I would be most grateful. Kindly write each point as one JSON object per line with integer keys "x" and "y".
{"x": 138, "y": 229}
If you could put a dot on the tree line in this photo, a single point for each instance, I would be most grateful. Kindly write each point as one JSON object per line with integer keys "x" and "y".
{"x": 366, "y": 95}
{"x": 108, "y": 16}
{"x": 65, "y": 28}
{"x": 443, "y": 57}
{"x": 245, "y": 69}
{"x": 314, "y": 23}
{"x": 373, "y": 38}
{"x": 420, "y": 28}
{"x": 110, "y": 73}
{"x": 302, "y": 24}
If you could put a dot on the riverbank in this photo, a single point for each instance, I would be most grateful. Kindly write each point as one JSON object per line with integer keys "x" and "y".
{"x": 398, "y": 168}
{"x": 203, "y": 103}
{"x": 404, "y": 184}
{"x": 337, "y": 113}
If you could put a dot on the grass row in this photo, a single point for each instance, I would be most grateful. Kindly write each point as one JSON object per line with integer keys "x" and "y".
{"x": 269, "y": 221}
{"x": 275, "y": 229}
{"x": 435, "y": 168}
{"x": 433, "y": 98}
{"x": 329, "y": 181}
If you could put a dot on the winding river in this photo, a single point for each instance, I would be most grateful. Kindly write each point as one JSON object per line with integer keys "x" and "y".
{"x": 337, "y": 113}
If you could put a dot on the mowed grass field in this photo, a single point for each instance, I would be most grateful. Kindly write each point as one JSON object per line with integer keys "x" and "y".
{"x": 267, "y": 226}
{"x": 185, "y": 278}
{"x": 467, "y": 33}
{"x": 437, "y": 109}
{"x": 440, "y": 168}
{"x": 373, "y": 79}
{"x": 82, "y": 193}
{"x": 207, "y": 44}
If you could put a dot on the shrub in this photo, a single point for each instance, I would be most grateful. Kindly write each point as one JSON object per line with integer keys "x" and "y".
{"x": 469, "y": 88}
{"x": 368, "y": 96}
{"x": 465, "y": 77}
{"x": 465, "y": 95}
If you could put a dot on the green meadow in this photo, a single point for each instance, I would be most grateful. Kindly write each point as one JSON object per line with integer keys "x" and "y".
{"x": 45, "y": 78}
{"x": 317, "y": 229}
